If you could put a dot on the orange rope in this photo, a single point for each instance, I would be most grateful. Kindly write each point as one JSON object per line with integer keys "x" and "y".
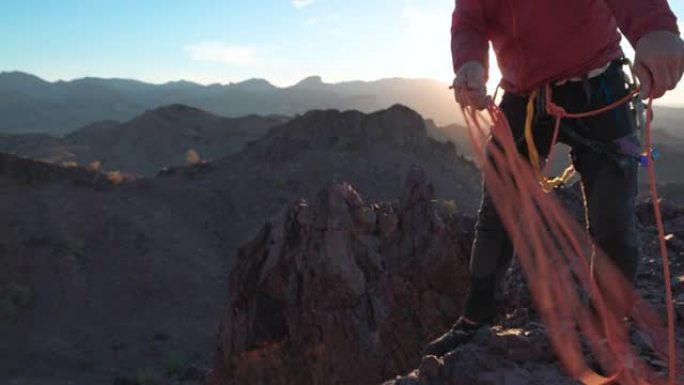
{"x": 559, "y": 112}
{"x": 511, "y": 179}
{"x": 547, "y": 184}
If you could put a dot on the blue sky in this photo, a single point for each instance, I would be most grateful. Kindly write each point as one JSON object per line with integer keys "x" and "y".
{"x": 231, "y": 40}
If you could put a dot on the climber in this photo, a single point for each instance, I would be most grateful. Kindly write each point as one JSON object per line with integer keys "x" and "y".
{"x": 572, "y": 49}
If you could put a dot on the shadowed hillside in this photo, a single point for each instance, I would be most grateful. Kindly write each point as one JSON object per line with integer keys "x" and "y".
{"x": 108, "y": 278}
{"x": 155, "y": 140}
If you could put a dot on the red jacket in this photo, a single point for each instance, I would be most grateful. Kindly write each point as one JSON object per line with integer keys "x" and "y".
{"x": 540, "y": 41}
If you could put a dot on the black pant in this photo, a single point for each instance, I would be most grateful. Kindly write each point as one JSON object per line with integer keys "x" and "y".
{"x": 609, "y": 187}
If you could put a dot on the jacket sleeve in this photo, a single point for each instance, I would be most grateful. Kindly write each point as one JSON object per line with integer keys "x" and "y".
{"x": 639, "y": 17}
{"x": 468, "y": 34}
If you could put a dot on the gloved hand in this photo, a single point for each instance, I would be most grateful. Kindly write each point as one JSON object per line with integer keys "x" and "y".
{"x": 469, "y": 86}
{"x": 659, "y": 62}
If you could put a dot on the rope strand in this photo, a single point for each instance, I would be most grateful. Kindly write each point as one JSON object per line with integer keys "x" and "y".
{"x": 552, "y": 249}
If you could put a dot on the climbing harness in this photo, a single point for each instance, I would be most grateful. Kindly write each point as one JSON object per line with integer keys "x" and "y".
{"x": 542, "y": 99}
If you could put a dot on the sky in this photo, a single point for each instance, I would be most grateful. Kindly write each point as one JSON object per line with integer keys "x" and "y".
{"x": 222, "y": 41}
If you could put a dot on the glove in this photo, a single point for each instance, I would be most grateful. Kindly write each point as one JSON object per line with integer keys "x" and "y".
{"x": 659, "y": 62}
{"x": 469, "y": 86}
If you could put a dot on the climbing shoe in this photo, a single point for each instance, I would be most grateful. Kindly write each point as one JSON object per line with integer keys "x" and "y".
{"x": 460, "y": 333}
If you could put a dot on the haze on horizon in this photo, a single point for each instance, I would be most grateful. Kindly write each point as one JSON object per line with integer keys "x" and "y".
{"x": 214, "y": 41}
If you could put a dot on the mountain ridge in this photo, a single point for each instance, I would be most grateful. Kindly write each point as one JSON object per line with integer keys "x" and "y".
{"x": 31, "y": 104}
{"x": 35, "y": 105}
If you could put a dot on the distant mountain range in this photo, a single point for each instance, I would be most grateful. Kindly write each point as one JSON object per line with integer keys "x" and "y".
{"x": 29, "y": 104}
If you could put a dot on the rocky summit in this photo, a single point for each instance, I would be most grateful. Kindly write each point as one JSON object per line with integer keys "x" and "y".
{"x": 339, "y": 291}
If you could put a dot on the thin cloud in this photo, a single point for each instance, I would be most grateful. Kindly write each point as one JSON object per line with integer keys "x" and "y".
{"x": 299, "y": 4}
{"x": 216, "y": 51}
{"x": 310, "y": 21}
{"x": 420, "y": 20}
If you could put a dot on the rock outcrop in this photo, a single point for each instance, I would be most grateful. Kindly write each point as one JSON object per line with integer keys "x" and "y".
{"x": 338, "y": 291}
{"x": 370, "y": 151}
{"x": 398, "y": 127}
